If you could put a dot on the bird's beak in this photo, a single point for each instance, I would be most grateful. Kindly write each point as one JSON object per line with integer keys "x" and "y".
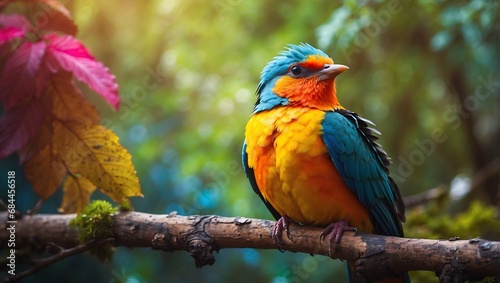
{"x": 330, "y": 71}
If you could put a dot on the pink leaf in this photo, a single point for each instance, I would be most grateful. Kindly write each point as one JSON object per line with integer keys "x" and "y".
{"x": 14, "y": 26}
{"x": 6, "y": 35}
{"x": 21, "y": 76}
{"x": 72, "y": 56}
{"x": 9, "y": 33}
{"x": 16, "y": 21}
{"x": 19, "y": 124}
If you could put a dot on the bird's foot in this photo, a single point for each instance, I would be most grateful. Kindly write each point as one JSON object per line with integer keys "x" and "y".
{"x": 280, "y": 225}
{"x": 335, "y": 230}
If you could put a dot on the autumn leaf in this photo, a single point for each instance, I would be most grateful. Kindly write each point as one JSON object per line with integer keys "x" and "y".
{"x": 16, "y": 21}
{"x": 6, "y": 36}
{"x": 45, "y": 117}
{"x": 55, "y": 17}
{"x": 13, "y": 27}
{"x": 9, "y": 33}
{"x": 19, "y": 124}
{"x": 77, "y": 192}
{"x": 68, "y": 101}
{"x": 46, "y": 172}
{"x": 21, "y": 76}
{"x": 38, "y": 142}
{"x": 55, "y": 5}
{"x": 94, "y": 153}
{"x": 73, "y": 56}
{"x": 3, "y": 3}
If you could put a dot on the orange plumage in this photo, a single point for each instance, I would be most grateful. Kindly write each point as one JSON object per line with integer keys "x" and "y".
{"x": 294, "y": 171}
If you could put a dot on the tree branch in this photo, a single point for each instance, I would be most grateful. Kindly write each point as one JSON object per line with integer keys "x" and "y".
{"x": 375, "y": 256}
{"x": 60, "y": 255}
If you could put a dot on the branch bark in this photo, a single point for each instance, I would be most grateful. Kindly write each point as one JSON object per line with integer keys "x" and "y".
{"x": 201, "y": 235}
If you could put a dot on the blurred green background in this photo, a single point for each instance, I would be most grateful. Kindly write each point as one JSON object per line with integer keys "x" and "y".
{"x": 426, "y": 72}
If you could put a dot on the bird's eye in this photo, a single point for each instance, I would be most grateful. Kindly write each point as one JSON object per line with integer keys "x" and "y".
{"x": 296, "y": 70}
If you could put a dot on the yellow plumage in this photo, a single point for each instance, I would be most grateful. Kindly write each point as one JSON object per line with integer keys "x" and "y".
{"x": 294, "y": 171}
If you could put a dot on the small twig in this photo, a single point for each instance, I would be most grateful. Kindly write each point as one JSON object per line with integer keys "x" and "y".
{"x": 62, "y": 254}
{"x": 485, "y": 173}
{"x": 425, "y": 197}
{"x": 436, "y": 193}
{"x": 35, "y": 209}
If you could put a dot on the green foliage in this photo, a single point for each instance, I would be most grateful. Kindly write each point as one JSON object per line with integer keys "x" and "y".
{"x": 95, "y": 221}
{"x": 126, "y": 205}
{"x": 432, "y": 222}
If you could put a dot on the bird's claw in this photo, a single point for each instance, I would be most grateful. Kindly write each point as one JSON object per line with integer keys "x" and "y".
{"x": 335, "y": 230}
{"x": 280, "y": 225}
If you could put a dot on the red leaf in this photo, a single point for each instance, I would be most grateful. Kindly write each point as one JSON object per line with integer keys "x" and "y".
{"x": 6, "y": 35}
{"x": 51, "y": 15}
{"x": 14, "y": 26}
{"x": 9, "y": 33}
{"x": 57, "y": 19}
{"x": 22, "y": 76}
{"x": 57, "y": 22}
{"x": 3, "y": 3}
{"x": 55, "y": 5}
{"x": 16, "y": 21}
{"x": 19, "y": 124}
{"x": 72, "y": 56}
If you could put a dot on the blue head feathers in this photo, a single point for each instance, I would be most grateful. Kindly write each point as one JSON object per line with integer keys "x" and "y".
{"x": 277, "y": 68}
{"x": 293, "y": 54}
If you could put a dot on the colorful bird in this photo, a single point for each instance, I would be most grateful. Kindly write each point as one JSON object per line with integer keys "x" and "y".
{"x": 312, "y": 161}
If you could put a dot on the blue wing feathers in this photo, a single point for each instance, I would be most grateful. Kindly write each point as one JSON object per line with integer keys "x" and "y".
{"x": 363, "y": 165}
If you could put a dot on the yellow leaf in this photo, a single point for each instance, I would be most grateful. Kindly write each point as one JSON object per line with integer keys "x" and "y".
{"x": 94, "y": 153}
{"x": 68, "y": 103}
{"x": 77, "y": 191}
{"x": 45, "y": 171}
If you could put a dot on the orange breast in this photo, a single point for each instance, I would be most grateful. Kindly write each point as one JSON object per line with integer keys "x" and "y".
{"x": 294, "y": 171}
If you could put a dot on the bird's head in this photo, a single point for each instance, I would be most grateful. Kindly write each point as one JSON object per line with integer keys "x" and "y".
{"x": 301, "y": 75}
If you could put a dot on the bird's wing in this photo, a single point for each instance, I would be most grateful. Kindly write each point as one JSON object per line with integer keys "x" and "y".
{"x": 363, "y": 165}
{"x": 251, "y": 177}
